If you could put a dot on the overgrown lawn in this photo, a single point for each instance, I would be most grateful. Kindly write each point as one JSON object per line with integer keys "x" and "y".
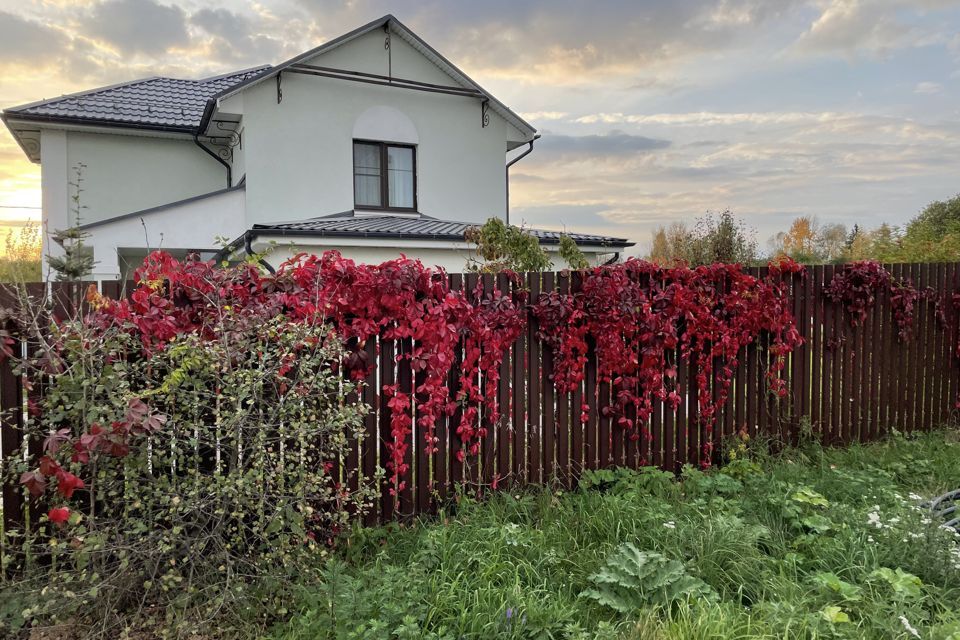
{"x": 811, "y": 543}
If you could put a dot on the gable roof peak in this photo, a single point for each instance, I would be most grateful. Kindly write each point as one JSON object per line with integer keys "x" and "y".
{"x": 396, "y": 26}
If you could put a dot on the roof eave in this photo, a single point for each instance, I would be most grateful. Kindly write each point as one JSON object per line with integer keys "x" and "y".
{"x": 33, "y": 157}
{"x": 258, "y": 230}
{"x": 94, "y": 122}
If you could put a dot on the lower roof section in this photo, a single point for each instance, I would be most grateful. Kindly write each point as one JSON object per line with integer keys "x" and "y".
{"x": 349, "y": 225}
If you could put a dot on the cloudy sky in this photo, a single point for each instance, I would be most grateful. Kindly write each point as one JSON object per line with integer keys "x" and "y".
{"x": 651, "y": 110}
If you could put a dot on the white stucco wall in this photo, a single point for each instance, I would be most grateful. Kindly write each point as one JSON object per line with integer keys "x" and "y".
{"x": 54, "y": 183}
{"x": 193, "y": 225}
{"x": 451, "y": 257}
{"x": 126, "y": 173}
{"x": 299, "y": 153}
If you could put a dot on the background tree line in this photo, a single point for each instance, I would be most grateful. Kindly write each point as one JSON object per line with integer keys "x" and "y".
{"x": 933, "y": 235}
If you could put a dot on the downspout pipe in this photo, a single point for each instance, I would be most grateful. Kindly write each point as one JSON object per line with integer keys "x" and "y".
{"x": 196, "y": 139}
{"x": 247, "y": 240}
{"x": 536, "y": 137}
{"x": 248, "y": 247}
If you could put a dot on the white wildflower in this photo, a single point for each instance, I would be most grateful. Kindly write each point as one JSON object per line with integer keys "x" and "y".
{"x": 909, "y": 627}
{"x": 670, "y": 524}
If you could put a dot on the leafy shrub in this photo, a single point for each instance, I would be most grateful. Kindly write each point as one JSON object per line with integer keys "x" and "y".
{"x": 189, "y": 476}
{"x": 632, "y": 578}
{"x": 649, "y": 481}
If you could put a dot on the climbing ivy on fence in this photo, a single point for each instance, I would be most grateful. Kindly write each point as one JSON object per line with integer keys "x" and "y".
{"x": 639, "y": 317}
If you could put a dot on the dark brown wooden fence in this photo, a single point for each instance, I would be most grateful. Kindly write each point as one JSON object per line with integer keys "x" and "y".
{"x": 847, "y": 384}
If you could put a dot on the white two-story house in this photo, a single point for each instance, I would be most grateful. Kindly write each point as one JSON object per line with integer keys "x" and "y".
{"x": 372, "y": 144}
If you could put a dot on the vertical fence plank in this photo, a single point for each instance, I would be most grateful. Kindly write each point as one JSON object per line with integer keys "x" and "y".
{"x": 533, "y": 413}
{"x": 564, "y": 402}
{"x": 549, "y": 419}
{"x": 797, "y": 369}
{"x": 946, "y": 401}
{"x": 816, "y": 349}
{"x": 739, "y": 392}
{"x": 604, "y": 444}
{"x": 861, "y": 399}
{"x": 941, "y": 331}
{"x": 827, "y": 352}
{"x": 886, "y": 411}
{"x": 806, "y": 332}
{"x": 422, "y": 447}
{"x": 903, "y": 364}
{"x": 368, "y": 452}
{"x": 454, "y": 446}
{"x": 472, "y": 461}
{"x": 693, "y": 414}
{"x": 577, "y": 426}
{"x": 591, "y": 394}
{"x": 916, "y": 358}
{"x": 488, "y": 446}
{"x": 875, "y": 349}
{"x": 923, "y": 348}
{"x": 911, "y": 401}
{"x": 682, "y": 425}
{"x": 753, "y": 391}
{"x": 351, "y": 461}
{"x": 405, "y": 502}
{"x": 503, "y": 430}
{"x": 387, "y": 376}
{"x": 953, "y": 348}
{"x": 895, "y": 415}
{"x": 845, "y": 377}
{"x": 519, "y": 404}
{"x": 837, "y": 320}
{"x": 11, "y": 435}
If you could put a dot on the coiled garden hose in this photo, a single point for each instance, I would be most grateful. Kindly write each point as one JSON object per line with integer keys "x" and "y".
{"x": 946, "y": 506}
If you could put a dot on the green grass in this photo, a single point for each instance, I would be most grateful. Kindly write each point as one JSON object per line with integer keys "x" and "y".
{"x": 809, "y": 544}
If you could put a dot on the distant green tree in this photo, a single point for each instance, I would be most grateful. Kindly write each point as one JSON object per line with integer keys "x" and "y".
{"x": 20, "y": 261}
{"x": 670, "y": 244}
{"x": 715, "y": 237}
{"x": 934, "y": 234}
{"x": 852, "y": 237}
{"x": 720, "y": 237}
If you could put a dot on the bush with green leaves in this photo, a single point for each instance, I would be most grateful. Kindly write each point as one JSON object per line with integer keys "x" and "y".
{"x": 631, "y": 578}
{"x": 186, "y": 488}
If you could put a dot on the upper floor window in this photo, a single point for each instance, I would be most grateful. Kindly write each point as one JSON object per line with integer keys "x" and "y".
{"x": 384, "y": 176}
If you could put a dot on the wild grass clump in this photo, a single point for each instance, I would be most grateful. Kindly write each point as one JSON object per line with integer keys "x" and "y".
{"x": 811, "y": 543}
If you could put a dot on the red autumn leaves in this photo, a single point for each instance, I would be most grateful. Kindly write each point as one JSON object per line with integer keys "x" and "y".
{"x": 114, "y": 441}
{"x": 450, "y": 343}
{"x": 642, "y": 319}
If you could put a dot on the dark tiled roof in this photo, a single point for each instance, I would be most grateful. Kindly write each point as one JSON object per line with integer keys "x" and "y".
{"x": 421, "y": 228}
{"x": 157, "y": 103}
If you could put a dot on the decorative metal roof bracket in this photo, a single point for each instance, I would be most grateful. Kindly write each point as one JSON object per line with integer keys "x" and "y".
{"x": 386, "y": 81}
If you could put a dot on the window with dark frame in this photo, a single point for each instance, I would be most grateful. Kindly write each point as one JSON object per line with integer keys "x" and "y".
{"x": 384, "y": 176}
